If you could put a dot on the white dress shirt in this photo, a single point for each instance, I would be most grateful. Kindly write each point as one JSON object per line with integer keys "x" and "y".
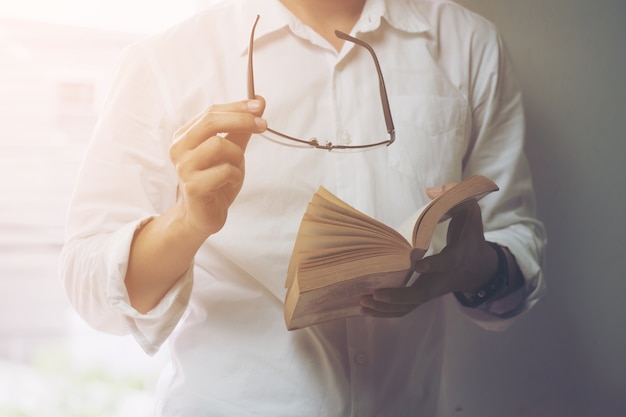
{"x": 457, "y": 111}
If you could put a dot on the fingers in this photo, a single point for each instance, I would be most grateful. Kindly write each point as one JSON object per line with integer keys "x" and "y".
{"x": 208, "y": 155}
{"x": 238, "y": 120}
{"x": 220, "y": 178}
{"x": 433, "y": 192}
{"x": 212, "y": 152}
{"x": 372, "y": 306}
{"x": 397, "y": 302}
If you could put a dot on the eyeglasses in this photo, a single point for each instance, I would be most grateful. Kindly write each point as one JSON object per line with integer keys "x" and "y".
{"x": 314, "y": 142}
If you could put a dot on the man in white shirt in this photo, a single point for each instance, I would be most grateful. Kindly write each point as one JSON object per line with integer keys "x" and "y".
{"x": 187, "y": 206}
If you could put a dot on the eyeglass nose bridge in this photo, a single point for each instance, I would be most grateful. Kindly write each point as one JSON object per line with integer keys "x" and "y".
{"x": 316, "y": 143}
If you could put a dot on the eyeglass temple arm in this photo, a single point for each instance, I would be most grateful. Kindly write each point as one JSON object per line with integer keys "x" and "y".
{"x": 251, "y": 93}
{"x": 381, "y": 81}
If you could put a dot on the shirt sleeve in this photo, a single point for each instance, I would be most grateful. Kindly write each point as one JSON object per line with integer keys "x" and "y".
{"x": 126, "y": 178}
{"x": 496, "y": 150}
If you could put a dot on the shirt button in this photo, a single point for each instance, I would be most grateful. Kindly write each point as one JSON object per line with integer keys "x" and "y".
{"x": 345, "y": 138}
{"x": 360, "y": 359}
{"x": 340, "y": 67}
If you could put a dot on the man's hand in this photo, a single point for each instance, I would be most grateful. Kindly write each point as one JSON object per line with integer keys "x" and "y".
{"x": 465, "y": 264}
{"x": 208, "y": 153}
{"x": 210, "y": 165}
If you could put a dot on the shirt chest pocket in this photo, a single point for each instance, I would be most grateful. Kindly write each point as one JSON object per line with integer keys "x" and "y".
{"x": 430, "y": 137}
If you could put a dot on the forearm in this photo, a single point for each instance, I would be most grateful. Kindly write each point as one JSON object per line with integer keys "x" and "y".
{"x": 161, "y": 252}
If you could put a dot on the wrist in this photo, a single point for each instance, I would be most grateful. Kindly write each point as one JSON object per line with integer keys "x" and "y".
{"x": 182, "y": 224}
{"x": 495, "y": 287}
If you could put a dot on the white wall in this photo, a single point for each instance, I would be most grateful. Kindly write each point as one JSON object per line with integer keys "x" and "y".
{"x": 567, "y": 356}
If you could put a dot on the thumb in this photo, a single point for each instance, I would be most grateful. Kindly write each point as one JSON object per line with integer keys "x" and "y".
{"x": 440, "y": 262}
{"x": 242, "y": 139}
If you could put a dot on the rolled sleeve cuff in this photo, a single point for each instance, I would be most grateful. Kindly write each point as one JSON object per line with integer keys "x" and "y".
{"x": 501, "y": 313}
{"x": 151, "y": 329}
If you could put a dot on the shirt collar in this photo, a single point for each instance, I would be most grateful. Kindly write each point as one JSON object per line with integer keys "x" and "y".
{"x": 402, "y": 15}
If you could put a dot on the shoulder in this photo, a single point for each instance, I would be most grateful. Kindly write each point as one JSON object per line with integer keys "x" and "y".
{"x": 189, "y": 52}
{"x": 224, "y": 25}
{"x": 461, "y": 33}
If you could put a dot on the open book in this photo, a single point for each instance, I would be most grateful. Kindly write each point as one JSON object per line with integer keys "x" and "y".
{"x": 341, "y": 254}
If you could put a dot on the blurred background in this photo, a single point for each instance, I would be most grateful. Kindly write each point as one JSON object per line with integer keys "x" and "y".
{"x": 56, "y": 61}
{"x": 567, "y": 356}
{"x": 564, "y": 358}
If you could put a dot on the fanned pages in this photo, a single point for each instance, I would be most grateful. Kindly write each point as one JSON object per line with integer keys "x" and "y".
{"x": 341, "y": 254}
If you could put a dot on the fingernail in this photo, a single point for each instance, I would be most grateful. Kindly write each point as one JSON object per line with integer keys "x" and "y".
{"x": 254, "y": 104}
{"x": 435, "y": 190}
{"x": 260, "y": 123}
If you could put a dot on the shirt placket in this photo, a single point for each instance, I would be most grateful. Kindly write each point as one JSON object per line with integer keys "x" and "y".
{"x": 353, "y": 102}
{"x": 344, "y": 171}
{"x": 362, "y": 382}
